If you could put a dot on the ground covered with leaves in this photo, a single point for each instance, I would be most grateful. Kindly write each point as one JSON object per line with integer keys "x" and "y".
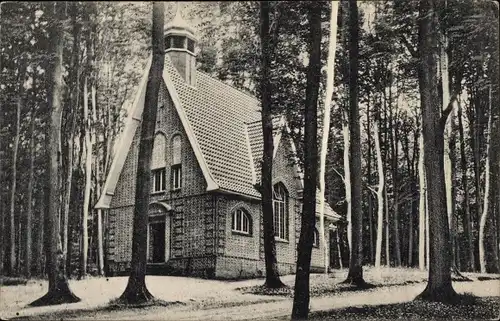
{"x": 321, "y": 284}
{"x": 485, "y": 308}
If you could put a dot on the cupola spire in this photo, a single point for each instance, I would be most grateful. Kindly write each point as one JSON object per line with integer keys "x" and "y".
{"x": 180, "y": 45}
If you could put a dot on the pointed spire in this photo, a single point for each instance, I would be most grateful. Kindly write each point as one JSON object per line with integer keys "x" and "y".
{"x": 178, "y": 24}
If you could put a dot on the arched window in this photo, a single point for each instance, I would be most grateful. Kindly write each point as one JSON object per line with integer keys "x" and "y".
{"x": 241, "y": 222}
{"x": 316, "y": 238}
{"x": 280, "y": 212}
{"x": 158, "y": 163}
{"x": 176, "y": 170}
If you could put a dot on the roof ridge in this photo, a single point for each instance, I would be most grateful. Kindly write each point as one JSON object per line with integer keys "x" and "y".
{"x": 249, "y": 95}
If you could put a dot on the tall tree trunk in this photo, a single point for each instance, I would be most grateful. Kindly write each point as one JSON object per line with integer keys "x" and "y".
{"x": 380, "y": 197}
{"x": 475, "y": 133}
{"x": 88, "y": 182}
{"x": 272, "y": 275}
{"x": 448, "y": 170}
{"x": 369, "y": 181}
{"x": 422, "y": 210}
{"x": 355, "y": 274}
{"x": 341, "y": 265}
{"x": 100, "y": 248}
{"x": 136, "y": 291}
{"x": 395, "y": 184}
{"x": 326, "y": 126}
{"x": 489, "y": 198}
{"x": 469, "y": 250}
{"x": 39, "y": 244}
{"x": 347, "y": 178}
{"x": 59, "y": 291}
{"x": 300, "y": 309}
{"x": 13, "y": 186}
{"x": 439, "y": 287}
{"x": 29, "y": 210}
{"x": 387, "y": 230}
{"x": 73, "y": 106}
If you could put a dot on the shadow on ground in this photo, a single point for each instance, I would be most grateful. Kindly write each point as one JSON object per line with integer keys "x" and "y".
{"x": 468, "y": 308}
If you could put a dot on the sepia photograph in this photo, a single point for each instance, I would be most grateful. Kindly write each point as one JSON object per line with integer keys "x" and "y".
{"x": 250, "y": 160}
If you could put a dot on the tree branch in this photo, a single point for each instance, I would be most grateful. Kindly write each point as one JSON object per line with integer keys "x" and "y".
{"x": 338, "y": 173}
{"x": 371, "y": 189}
{"x": 409, "y": 46}
{"x": 448, "y": 109}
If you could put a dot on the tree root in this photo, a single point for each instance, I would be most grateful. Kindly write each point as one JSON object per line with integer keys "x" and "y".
{"x": 445, "y": 294}
{"x": 136, "y": 297}
{"x": 359, "y": 283}
{"x": 274, "y": 284}
{"x": 54, "y": 297}
{"x": 457, "y": 276}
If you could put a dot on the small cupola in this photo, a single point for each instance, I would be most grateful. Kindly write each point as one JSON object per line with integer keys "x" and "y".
{"x": 180, "y": 44}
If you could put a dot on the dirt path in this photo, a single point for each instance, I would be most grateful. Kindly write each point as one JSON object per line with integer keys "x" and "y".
{"x": 251, "y": 307}
{"x": 211, "y": 299}
{"x": 267, "y": 311}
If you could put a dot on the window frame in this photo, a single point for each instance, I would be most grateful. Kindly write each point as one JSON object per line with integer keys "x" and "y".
{"x": 176, "y": 165}
{"x": 242, "y": 217}
{"x": 280, "y": 219}
{"x": 163, "y": 183}
{"x": 176, "y": 177}
{"x": 316, "y": 238}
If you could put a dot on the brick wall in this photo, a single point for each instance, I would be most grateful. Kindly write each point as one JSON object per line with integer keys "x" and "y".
{"x": 243, "y": 256}
{"x": 201, "y": 222}
{"x": 190, "y": 206}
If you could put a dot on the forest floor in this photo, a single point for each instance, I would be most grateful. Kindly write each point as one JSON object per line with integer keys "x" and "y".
{"x": 199, "y": 299}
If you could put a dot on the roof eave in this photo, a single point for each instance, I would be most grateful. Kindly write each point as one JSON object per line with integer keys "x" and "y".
{"x": 211, "y": 184}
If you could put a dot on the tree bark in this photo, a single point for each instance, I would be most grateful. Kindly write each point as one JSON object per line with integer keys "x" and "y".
{"x": 469, "y": 250}
{"x": 326, "y": 126}
{"x": 88, "y": 182}
{"x": 59, "y": 291}
{"x": 73, "y": 106}
{"x": 13, "y": 186}
{"x": 369, "y": 181}
{"x": 272, "y": 274}
{"x": 387, "y": 230}
{"x": 100, "y": 248}
{"x": 395, "y": 187}
{"x": 136, "y": 291}
{"x": 355, "y": 274}
{"x": 380, "y": 197}
{"x": 489, "y": 198}
{"x": 422, "y": 210}
{"x": 300, "y": 309}
{"x": 31, "y": 171}
{"x": 475, "y": 135}
{"x": 439, "y": 286}
{"x": 347, "y": 178}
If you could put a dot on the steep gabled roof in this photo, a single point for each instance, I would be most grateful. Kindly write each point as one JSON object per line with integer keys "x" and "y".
{"x": 224, "y": 129}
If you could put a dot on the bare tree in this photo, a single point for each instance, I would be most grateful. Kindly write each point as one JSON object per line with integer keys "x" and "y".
{"x": 59, "y": 291}
{"x": 380, "y": 196}
{"x": 439, "y": 286}
{"x": 422, "y": 230}
{"x": 355, "y": 274}
{"x": 272, "y": 275}
{"x": 326, "y": 125}
{"x": 301, "y": 297}
{"x": 136, "y": 291}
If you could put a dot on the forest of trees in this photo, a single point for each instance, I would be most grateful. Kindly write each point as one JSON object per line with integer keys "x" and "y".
{"x": 413, "y": 149}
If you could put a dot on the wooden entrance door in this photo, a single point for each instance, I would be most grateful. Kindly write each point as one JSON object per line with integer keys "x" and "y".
{"x": 157, "y": 242}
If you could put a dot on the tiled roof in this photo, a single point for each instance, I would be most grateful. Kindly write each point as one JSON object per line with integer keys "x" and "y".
{"x": 224, "y": 121}
{"x": 257, "y": 143}
{"x": 221, "y": 116}
{"x": 217, "y": 114}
